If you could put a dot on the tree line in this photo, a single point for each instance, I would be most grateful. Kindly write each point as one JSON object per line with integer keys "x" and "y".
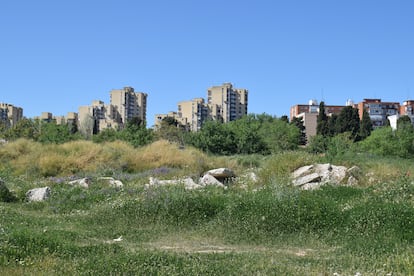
{"x": 251, "y": 134}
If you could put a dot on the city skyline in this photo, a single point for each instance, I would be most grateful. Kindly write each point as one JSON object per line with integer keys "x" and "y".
{"x": 57, "y": 56}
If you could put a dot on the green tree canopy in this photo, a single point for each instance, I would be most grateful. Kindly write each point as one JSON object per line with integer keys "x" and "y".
{"x": 322, "y": 127}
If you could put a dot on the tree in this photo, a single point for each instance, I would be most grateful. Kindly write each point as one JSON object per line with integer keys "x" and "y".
{"x": 322, "y": 121}
{"x": 285, "y": 118}
{"x": 86, "y": 127}
{"x": 25, "y": 128}
{"x": 247, "y": 134}
{"x": 215, "y": 137}
{"x": 366, "y": 125}
{"x": 348, "y": 121}
{"x": 404, "y": 122}
{"x": 332, "y": 125}
{"x": 298, "y": 122}
{"x": 53, "y": 133}
{"x": 279, "y": 135}
{"x": 171, "y": 130}
{"x": 106, "y": 135}
{"x": 136, "y": 133}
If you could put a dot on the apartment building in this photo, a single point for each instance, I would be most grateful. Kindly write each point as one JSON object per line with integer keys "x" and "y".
{"x": 195, "y": 113}
{"x": 227, "y": 103}
{"x": 129, "y": 104}
{"x": 379, "y": 111}
{"x": 224, "y": 103}
{"x": 98, "y": 116}
{"x": 313, "y": 107}
{"x": 309, "y": 114}
{"x": 172, "y": 114}
{"x": 10, "y": 114}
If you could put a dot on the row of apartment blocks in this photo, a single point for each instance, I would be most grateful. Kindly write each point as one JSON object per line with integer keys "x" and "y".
{"x": 378, "y": 111}
{"x": 125, "y": 105}
{"x": 224, "y": 103}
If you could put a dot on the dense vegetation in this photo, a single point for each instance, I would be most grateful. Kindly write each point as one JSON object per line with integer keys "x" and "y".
{"x": 265, "y": 227}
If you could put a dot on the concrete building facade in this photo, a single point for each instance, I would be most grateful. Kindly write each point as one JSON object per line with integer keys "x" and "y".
{"x": 195, "y": 113}
{"x": 172, "y": 114}
{"x": 227, "y": 103}
{"x": 129, "y": 104}
{"x": 10, "y": 114}
{"x": 309, "y": 114}
{"x": 96, "y": 117}
{"x": 224, "y": 103}
{"x": 378, "y": 111}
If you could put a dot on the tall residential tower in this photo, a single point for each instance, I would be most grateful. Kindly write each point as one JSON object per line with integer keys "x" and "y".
{"x": 129, "y": 104}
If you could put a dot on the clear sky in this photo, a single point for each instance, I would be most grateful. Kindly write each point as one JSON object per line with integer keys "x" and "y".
{"x": 58, "y": 55}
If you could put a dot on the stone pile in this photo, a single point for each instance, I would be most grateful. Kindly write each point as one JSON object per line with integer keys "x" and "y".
{"x": 217, "y": 177}
{"x": 314, "y": 176}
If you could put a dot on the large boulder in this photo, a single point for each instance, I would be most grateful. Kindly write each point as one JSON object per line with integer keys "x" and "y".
{"x": 314, "y": 176}
{"x": 209, "y": 180}
{"x": 221, "y": 174}
{"x": 38, "y": 194}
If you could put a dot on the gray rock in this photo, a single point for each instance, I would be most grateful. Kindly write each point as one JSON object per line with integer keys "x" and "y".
{"x": 302, "y": 171}
{"x": 188, "y": 183}
{"x": 314, "y": 177}
{"x": 221, "y": 173}
{"x": 352, "y": 181}
{"x": 355, "y": 171}
{"x": 112, "y": 182}
{"x": 311, "y": 186}
{"x": 38, "y": 194}
{"x": 82, "y": 182}
{"x": 208, "y": 180}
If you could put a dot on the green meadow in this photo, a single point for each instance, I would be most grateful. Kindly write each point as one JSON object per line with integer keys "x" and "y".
{"x": 252, "y": 228}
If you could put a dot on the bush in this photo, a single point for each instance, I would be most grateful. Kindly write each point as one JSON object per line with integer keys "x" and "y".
{"x": 5, "y": 194}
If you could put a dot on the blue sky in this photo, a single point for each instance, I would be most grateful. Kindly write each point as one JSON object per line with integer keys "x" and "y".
{"x": 58, "y": 55}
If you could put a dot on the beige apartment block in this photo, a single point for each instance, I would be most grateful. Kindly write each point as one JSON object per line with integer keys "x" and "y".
{"x": 96, "y": 117}
{"x": 10, "y": 114}
{"x": 129, "y": 104}
{"x": 310, "y": 122}
{"x": 195, "y": 112}
{"x": 227, "y": 103}
{"x": 172, "y": 114}
{"x": 71, "y": 118}
{"x": 224, "y": 103}
{"x": 309, "y": 114}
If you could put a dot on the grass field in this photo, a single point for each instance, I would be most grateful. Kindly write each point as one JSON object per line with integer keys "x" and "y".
{"x": 268, "y": 228}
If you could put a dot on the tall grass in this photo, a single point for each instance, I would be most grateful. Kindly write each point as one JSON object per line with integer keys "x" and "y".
{"x": 24, "y": 157}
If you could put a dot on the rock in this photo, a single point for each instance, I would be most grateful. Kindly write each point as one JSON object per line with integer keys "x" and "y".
{"x": 82, "y": 182}
{"x": 354, "y": 171}
{"x": 311, "y": 186}
{"x": 208, "y": 180}
{"x": 38, "y": 194}
{"x": 302, "y": 171}
{"x": 352, "y": 181}
{"x": 221, "y": 173}
{"x": 314, "y": 177}
{"x": 246, "y": 178}
{"x": 188, "y": 183}
{"x": 112, "y": 182}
